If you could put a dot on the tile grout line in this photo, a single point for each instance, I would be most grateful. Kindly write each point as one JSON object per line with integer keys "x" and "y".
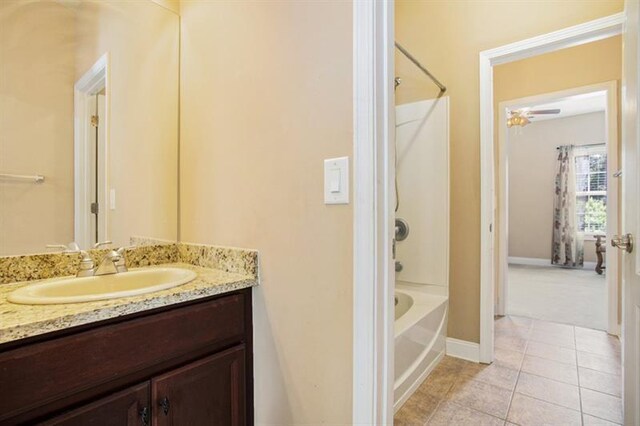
{"x": 605, "y": 420}
{"x": 473, "y": 379}
{"x": 519, "y": 370}
{"x": 435, "y": 410}
{"x": 445, "y": 399}
{"x": 472, "y": 408}
{"x": 579, "y": 386}
{"x": 515, "y": 386}
{"x": 577, "y": 367}
{"x": 546, "y": 378}
{"x": 578, "y": 374}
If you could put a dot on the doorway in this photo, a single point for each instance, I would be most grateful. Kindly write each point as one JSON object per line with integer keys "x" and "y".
{"x": 491, "y": 245}
{"x": 582, "y": 34}
{"x": 546, "y": 339}
{"x": 540, "y": 275}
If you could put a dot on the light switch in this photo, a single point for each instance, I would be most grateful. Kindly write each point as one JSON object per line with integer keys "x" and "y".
{"x": 336, "y": 180}
{"x": 112, "y": 199}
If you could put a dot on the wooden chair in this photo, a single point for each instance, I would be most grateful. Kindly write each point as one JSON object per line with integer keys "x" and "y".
{"x": 601, "y": 248}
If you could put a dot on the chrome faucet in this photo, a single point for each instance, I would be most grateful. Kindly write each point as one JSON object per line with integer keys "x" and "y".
{"x": 113, "y": 262}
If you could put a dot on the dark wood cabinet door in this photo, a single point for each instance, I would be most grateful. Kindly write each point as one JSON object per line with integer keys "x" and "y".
{"x": 208, "y": 392}
{"x": 129, "y": 407}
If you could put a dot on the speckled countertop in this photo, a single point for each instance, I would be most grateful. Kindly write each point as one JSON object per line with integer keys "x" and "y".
{"x": 21, "y": 321}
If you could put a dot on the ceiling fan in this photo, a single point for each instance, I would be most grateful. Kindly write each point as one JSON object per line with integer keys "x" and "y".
{"x": 522, "y": 117}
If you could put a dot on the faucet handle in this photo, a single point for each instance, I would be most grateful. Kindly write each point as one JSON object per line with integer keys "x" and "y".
{"x": 87, "y": 267}
{"x": 121, "y": 262}
{"x": 72, "y": 247}
{"x": 102, "y": 243}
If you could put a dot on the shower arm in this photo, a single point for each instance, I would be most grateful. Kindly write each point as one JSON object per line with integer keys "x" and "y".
{"x": 417, "y": 63}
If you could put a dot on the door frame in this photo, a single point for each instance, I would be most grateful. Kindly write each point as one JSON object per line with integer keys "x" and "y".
{"x": 612, "y": 145}
{"x": 91, "y": 83}
{"x": 568, "y": 37}
{"x": 373, "y": 171}
{"x": 631, "y": 213}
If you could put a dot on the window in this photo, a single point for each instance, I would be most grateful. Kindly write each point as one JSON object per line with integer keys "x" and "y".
{"x": 591, "y": 189}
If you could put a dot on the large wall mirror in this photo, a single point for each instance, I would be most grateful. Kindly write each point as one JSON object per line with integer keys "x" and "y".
{"x": 88, "y": 122}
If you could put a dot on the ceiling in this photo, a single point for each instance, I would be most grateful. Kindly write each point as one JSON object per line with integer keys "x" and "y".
{"x": 570, "y": 106}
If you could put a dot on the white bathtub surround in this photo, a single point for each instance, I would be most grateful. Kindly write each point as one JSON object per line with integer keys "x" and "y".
{"x": 422, "y": 140}
{"x": 420, "y": 338}
{"x": 422, "y": 286}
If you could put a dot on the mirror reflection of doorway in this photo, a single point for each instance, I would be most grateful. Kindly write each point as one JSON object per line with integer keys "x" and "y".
{"x": 90, "y": 157}
{"x": 96, "y": 187}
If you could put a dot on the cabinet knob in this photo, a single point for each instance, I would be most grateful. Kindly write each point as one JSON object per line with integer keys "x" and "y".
{"x": 144, "y": 416}
{"x": 165, "y": 405}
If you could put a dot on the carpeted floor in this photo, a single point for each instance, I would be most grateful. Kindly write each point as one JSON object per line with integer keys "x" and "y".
{"x": 570, "y": 296}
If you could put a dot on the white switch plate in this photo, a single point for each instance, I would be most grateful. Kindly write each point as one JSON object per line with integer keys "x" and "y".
{"x": 336, "y": 180}
{"x": 112, "y": 199}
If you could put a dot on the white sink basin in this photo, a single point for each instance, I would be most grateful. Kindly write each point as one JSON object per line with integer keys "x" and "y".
{"x": 88, "y": 289}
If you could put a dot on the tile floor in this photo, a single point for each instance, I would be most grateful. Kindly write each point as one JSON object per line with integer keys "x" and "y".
{"x": 571, "y": 296}
{"x": 544, "y": 373}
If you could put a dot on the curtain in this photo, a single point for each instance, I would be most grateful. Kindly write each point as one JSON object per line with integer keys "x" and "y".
{"x": 567, "y": 249}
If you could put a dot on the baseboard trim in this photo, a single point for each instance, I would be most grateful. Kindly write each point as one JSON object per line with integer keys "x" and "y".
{"x": 462, "y": 349}
{"x": 535, "y": 261}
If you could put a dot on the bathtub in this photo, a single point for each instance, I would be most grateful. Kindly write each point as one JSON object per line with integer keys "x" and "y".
{"x": 419, "y": 337}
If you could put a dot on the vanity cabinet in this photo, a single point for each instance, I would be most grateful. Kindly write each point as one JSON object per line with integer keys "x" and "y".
{"x": 206, "y": 392}
{"x": 129, "y": 407}
{"x": 187, "y": 364}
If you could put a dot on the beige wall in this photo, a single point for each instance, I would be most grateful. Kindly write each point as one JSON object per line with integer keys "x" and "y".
{"x": 532, "y": 171}
{"x": 447, "y": 37}
{"x": 36, "y": 124}
{"x": 266, "y": 95}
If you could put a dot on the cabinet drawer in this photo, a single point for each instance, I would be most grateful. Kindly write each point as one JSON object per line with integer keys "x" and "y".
{"x": 43, "y": 373}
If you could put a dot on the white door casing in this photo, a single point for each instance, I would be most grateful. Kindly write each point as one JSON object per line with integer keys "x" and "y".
{"x": 373, "y": 171}
{"x": 631, "y": 214}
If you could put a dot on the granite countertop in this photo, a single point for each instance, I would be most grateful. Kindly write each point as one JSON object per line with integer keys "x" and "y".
{"x": 21, "y": 321}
